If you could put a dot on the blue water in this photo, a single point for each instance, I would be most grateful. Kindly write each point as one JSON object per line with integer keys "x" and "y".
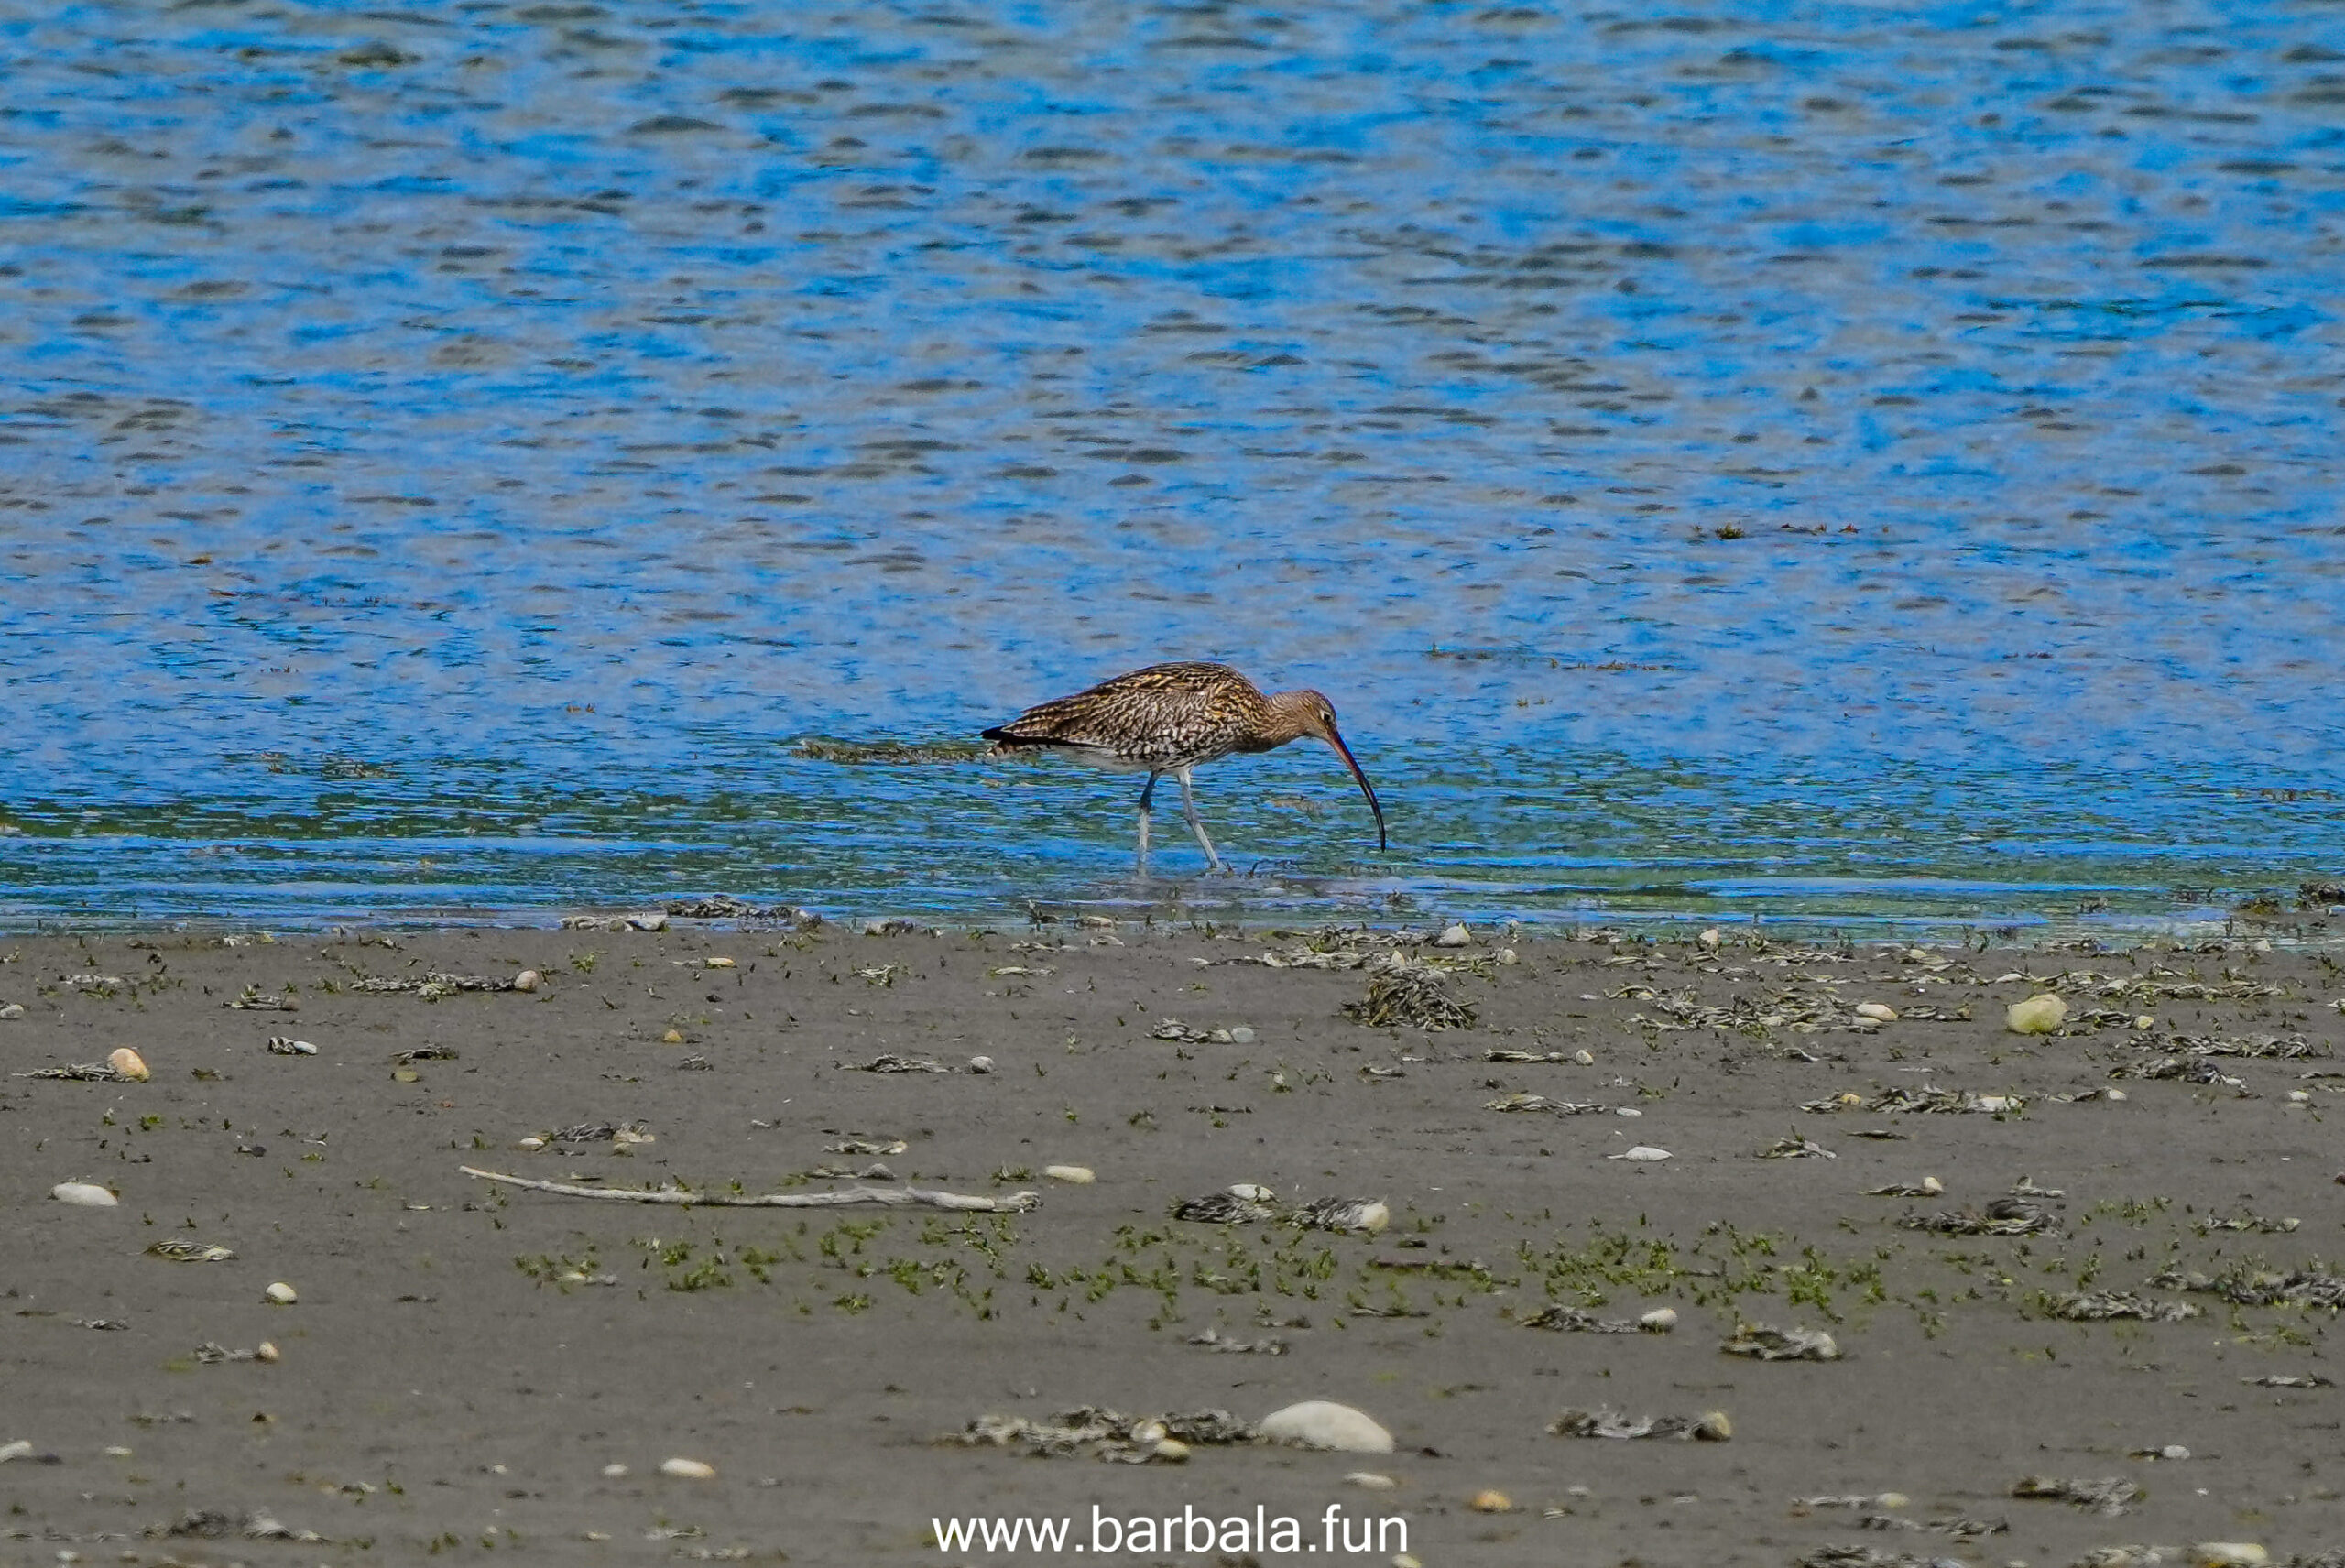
{"x": 1819, "y": 462}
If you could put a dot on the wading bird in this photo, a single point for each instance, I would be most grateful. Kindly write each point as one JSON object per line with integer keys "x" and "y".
{"x": 1168, "y": 718}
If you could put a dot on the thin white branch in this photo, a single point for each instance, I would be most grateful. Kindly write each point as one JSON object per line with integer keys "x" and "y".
{"x": 893, "y": 1197}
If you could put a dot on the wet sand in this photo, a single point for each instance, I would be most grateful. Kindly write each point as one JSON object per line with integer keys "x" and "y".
{"x": 441, "y": 1386}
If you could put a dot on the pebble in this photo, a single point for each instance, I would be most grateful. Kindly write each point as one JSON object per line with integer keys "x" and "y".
{"x": 981, "y": 1064}
{"x": 2037, "y": 1015}
{"x": 1891, "y": 1500}
{"x": 1713, "y": 1427}
{"x": 1643, "y": 1152}
{"x": 718, "y": 963}
{"x": 1371, "y": 1480}
{"x": 1491, "y": 1501}
{"x": 2112, "y": 1093}
{"x": 264, "y": 1351}
{"x": 1148, "y": 1431}
{"x": 687, "y": 1469}
{"x": 655, "y": 921}
{"x": 2174, "y": 1451}
{"x": 1933, "y": 1186}
{"x": 1627, "y": 1111}
{"x": 2298, "y": 1097}
{"x": 673, "y": 1037}
{"x": 613, "y": 1472}
{"x": 2229, "y": 1554}
{"x": 282, "y": 1294}
{"x": 13, "y": 1010}
{"x": 1453, "y": 936}
{"x": 1321, "y": 1424}
{"x": 1879, "y": 1012}
{"x": 82, "y": 1195}
{"x": 20, "y": 1449}
{"x": 528, "y": 980}
{"x": 1661, "y": 1320}
{"x": 130, "y": 1064}
{"x": 1508, "y": 955}
{"x": 1254, "y": 1192}
{"x": 1077, "y": 1175}
{"x": 1585, "y": 1057}
{"x": 1242, "y": 1035}
{"x": 2144, "y": 1021}
{"x": 530, "y": 1145}
{"x": 1711, "y": 938}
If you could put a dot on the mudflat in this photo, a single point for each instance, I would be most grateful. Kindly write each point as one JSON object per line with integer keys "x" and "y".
{"x": 2123, "y": 1301}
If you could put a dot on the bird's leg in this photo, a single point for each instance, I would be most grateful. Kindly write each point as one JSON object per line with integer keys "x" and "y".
{"x": 1196, "y": 826}
{"x": 1144, "y": 796}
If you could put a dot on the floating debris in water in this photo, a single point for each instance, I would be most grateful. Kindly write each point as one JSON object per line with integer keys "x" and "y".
{"x": 636, "y": 1131}
{"x": 1106, "y": 1433}
{"x": 1574, "y": 1320}
{"x": 1794, "y": 1146}
{"x": 2107, "y": 1497}
{"x": 1709, "y": 1427}
{"x": 2104, "y": 1306}
{"x": 2005, "y": 1216}
{"x": 190, "y": 1252}
{"x": 1412, "y": 994}
{"x": 1542, "y": 1103}
{"x": 1766, "y": 1343}
{"x": 1927, "y": 1187}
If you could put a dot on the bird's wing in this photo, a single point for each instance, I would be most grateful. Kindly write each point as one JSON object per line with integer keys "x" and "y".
{"x": 1166, "y": 711}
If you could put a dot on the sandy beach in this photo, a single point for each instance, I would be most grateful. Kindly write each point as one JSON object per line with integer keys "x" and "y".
{"x": 2145, "y": 1323}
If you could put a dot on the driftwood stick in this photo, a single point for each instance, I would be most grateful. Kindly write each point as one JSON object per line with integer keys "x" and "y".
{"x": 894, "y": 1197}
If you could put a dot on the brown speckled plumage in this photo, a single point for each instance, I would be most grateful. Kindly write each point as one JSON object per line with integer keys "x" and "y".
{"x": 1168, "y": 718}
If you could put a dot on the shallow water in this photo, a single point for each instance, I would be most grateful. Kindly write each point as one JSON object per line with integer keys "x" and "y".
{"x": 1800, "y": 462}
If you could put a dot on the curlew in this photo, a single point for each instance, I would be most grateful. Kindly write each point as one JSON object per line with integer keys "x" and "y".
{"x": 1168, "y": 718}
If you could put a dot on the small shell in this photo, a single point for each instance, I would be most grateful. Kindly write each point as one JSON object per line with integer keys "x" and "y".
{"x": 687, "y": 1469}
{"x": 530, "y": 1145}
{"x": 1714, "y": 1427}
{"x": 1879, "y": 1012}
{"x": 2112, "y": 1093}
{"x": 1370, "y": 1480}
{"x": 1644, "y": 1151}
{"x": 981, "y": 1064}
{"x": 1625, "y": 1111}
{"x": 1148, "y": 1431}
{"x": 282, "y": 1294}
{"x": 13, "y": 1010}
{"x": 1171, "y": 1450}
{"x": 1453, "y": 936}
{"x": 1661, "y": 1320}
{"x": 84, "y": 1195}
{"x": 1585, "y": 1057}
{"x": 1507, "y": 955}
{"x": 717, "y": 963}
{"x": 615, "y": 1472}
{"x": 2037, "y": 1015}
{"x": 1241, "y": 1034}
{"x": 130, "y": 1064}
{"x": 2144, "y": 1021}
{"x": 1491, "y": 1501}
{"x": 1076, "y": 1175}
{"x": 1933, "y": 1186}
{"x": 528, "y": 980}
{"x": 673, "y": 1037}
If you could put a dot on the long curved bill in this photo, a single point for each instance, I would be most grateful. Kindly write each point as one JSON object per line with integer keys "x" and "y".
{"x": 1353, "y": 763}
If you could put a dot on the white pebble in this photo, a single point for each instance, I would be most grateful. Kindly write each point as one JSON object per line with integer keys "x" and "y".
{"x": 528, "y": 980}
{"x": 13, "y": 1010}
{"x": 1148, "y": 1431}
{"x": 719, "y": 963}
{"x": 981, "y": 1064}
{"x": 1661, "y": 1320}
{"x": 530, "y": 1145}
{"x": 82, "y": 1195}
{"x": 1627, "y": 1111}
{"x": 1077, "y": 1175}
{"x": 17, "y": 1450}
{"x": 1253, "y": 1192}
{"x": 2174, "y": 1451}
{"x": 2112, "y": 1093}
{"x": 1933, "y": 1186}
{"x": 2037, "y": 1015}
{"x": 1453, "y": 936}
{"x": 1242, "y": 1035}
{"x": 1710, "y": 938}
{"x": 282, "y": 1294}
{"x": 1172, "y": 1450}
{"x": 1585, "y": 1057}
{"x": 654, "y": 921}
{"x": 1321, "y": 1424}
{"x": 264, "y": 1351}
{"x": 613, "y": 1472}
{"x": 1643, "y": 1152}
{"x": 2144, "y": 1021}
{"x": 2229, "y": 1554}
{"x": 1508, "y": 955}
{"x": 2298, "y": 1097}
{"x": 130, "y": 1064}
{"x": 1879, "y": 1012}
{"x": 1371, "y": 1480}
{"x": 687, "y": 1469}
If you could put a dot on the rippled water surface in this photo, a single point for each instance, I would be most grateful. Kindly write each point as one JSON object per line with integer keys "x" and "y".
{"x": 1801, "y": 460}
